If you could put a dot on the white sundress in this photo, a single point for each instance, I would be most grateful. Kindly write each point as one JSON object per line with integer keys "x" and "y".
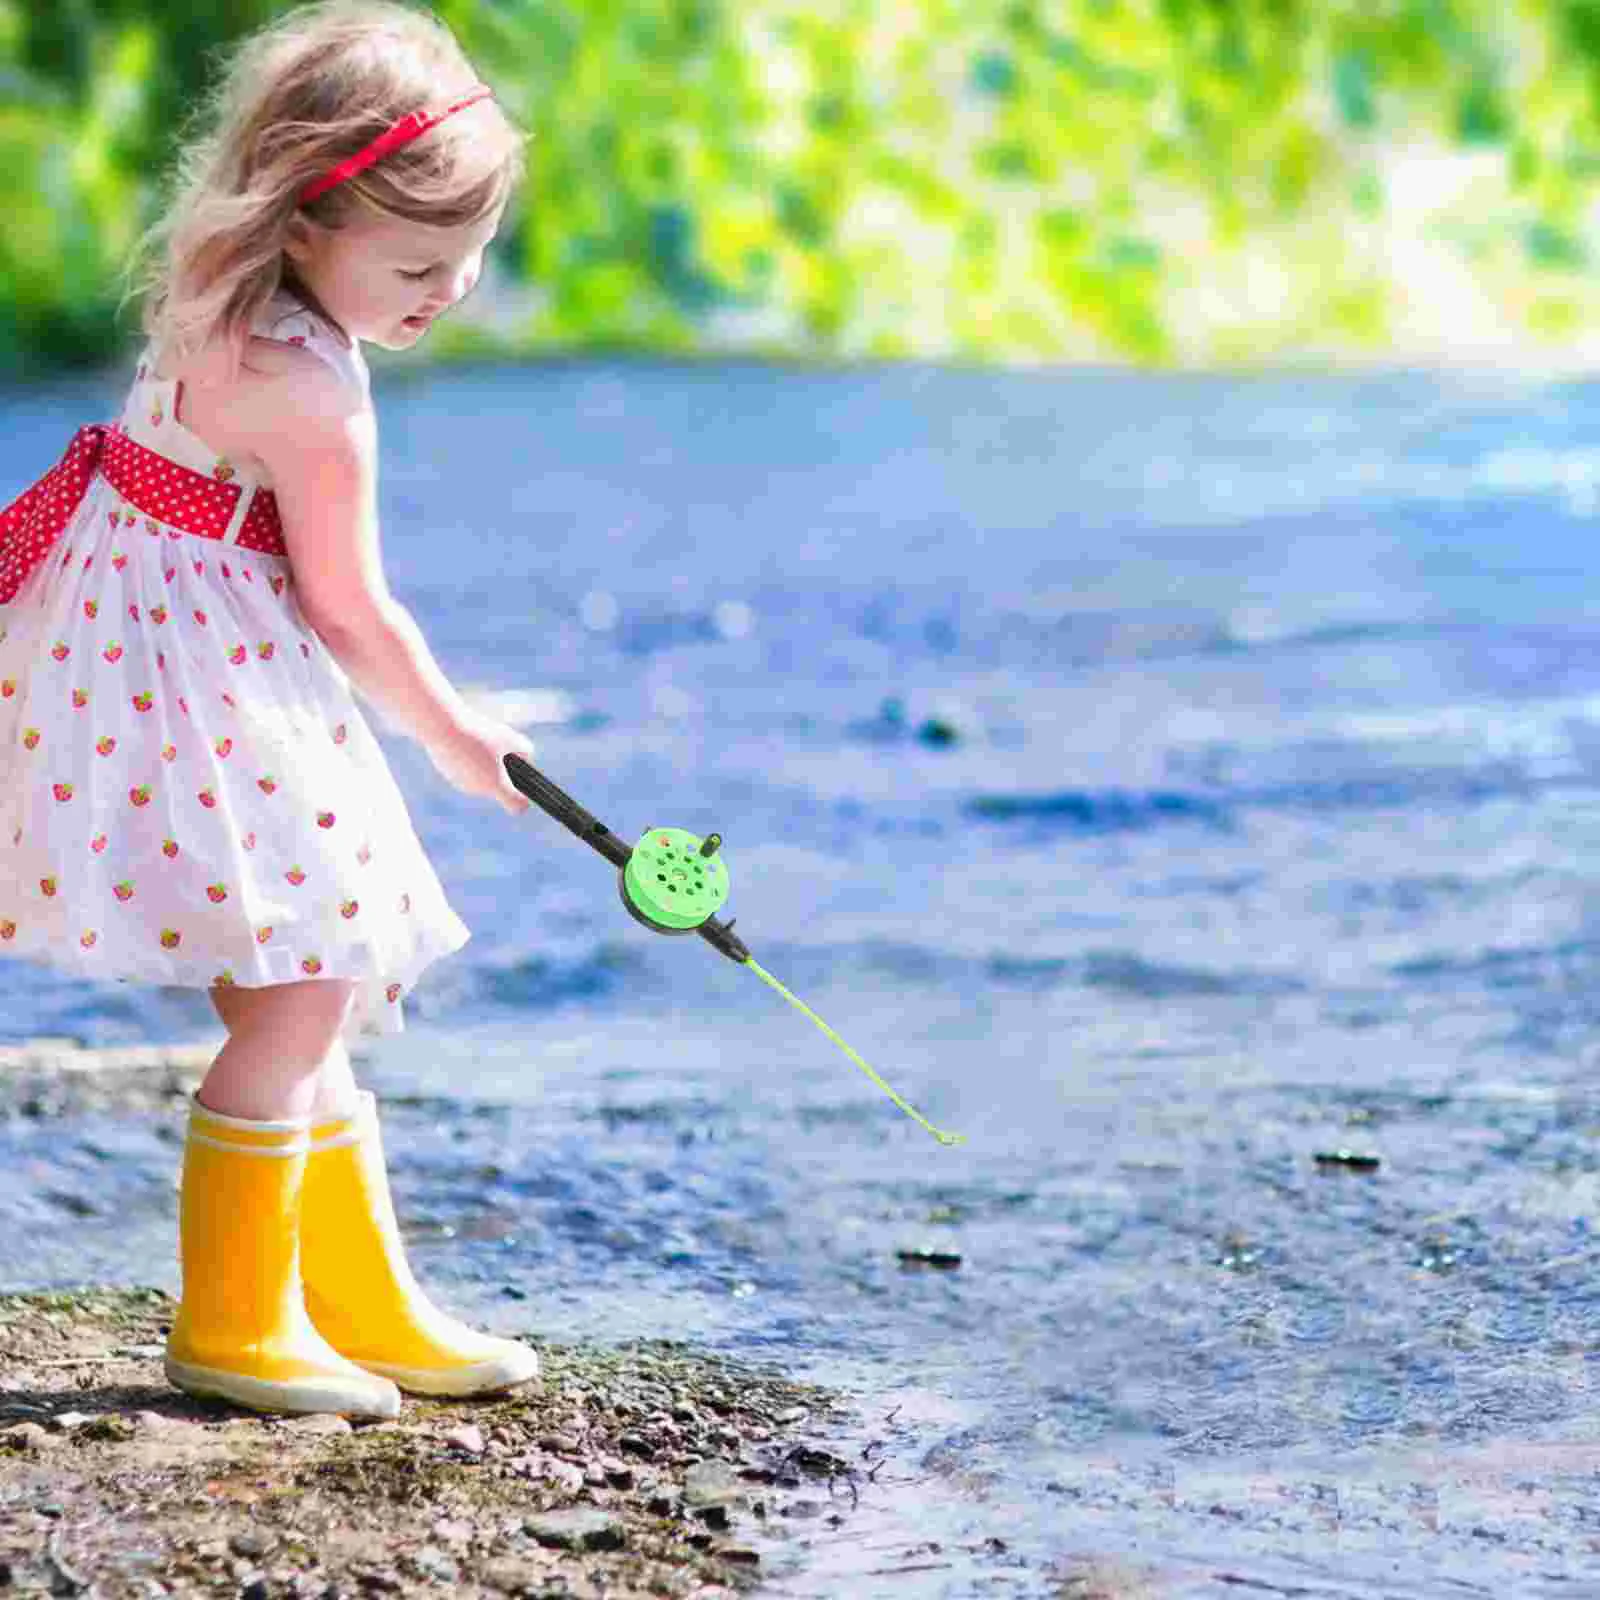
{"x": 189, "y": 793}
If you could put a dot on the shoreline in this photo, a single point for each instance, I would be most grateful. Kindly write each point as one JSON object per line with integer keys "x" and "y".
{"x": 646, "y": 1469}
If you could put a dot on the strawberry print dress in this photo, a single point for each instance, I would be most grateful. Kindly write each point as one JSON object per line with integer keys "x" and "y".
{"x": 189, "y": 793}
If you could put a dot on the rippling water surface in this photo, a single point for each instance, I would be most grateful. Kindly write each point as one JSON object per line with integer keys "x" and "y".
{"x": 1164, "y": 783}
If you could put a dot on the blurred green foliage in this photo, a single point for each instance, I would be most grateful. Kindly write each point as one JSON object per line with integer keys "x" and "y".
{"x": 977, "y": 179}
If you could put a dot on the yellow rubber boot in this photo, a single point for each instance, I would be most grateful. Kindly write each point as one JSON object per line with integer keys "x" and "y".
{"x": 360, "y": 1290}
{"x": 242, "y": 1332}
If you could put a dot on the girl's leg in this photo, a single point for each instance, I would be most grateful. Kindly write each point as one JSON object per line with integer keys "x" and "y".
{"x": 242, "y": 1331}
{"x": 336, "y": 1085}
{"x": 278, "y": 1038}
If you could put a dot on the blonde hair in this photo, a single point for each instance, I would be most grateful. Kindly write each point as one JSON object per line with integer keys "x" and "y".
{"x": 296, "y": 97}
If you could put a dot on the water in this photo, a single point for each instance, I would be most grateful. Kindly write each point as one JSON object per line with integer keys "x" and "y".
{"x": 1159, "y": 781}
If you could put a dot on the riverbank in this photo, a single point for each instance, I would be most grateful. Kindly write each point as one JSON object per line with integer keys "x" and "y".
{"x": 646, "y": 1469}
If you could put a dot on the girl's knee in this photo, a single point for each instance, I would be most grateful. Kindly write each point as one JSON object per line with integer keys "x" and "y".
{"x": 306, "y": 1018}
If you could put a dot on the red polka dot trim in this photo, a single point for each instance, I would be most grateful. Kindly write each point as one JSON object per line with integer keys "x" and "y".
{"x": 153, "y": 483}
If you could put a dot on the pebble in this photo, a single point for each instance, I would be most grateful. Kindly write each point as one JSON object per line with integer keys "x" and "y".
{"x": 468, "y": 1437}
{"x": 712, "y": 1483}
{"x": 929, "y": 1256}
{"x": 577, "y": 1528}
{"x": 514, "y": 1574}
{"x": 316, "y": 1425}
{"x": 565, "y": 1473}
{"x": 1356, "y": 1161}
{"x": 26, "y": 1436}
{"x": 433, "y": 1563}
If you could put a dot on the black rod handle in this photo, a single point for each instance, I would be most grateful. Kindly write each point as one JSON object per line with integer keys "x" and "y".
{"x": 529, "y": 780}
{"x": 539, "y": 789}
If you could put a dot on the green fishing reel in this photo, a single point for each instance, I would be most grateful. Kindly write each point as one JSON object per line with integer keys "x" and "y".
{"x": 674, "y": 882}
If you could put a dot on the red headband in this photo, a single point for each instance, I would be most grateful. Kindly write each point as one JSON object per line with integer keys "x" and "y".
{"x": 406, "y": 129}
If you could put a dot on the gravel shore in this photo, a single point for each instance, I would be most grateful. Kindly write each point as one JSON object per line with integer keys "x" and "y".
{"x": 649, "y": 1469}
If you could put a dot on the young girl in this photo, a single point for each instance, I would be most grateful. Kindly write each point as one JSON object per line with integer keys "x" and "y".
{"x": 189, "y": 793}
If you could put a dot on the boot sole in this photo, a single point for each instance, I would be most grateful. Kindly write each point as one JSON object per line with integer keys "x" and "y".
{"x": 302, "y": 1396}
{"x": 481, "y": 1377}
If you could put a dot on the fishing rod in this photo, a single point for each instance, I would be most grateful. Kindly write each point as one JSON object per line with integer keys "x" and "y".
{"x": 672, "y": 882}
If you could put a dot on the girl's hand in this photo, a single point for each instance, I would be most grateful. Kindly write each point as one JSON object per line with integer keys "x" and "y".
{"x": 472, "y": 759}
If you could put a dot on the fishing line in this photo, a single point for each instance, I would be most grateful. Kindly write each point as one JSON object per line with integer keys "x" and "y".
{"x": 671, "y": 882}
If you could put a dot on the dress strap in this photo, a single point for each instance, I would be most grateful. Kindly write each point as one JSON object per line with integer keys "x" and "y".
{"x": 290, "y": 321}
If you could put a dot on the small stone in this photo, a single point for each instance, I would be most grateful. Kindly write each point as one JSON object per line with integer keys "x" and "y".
{"x": 27, "y": 1437}
{"x": 577, "y": 1528}
{"x": 1357, "y": 1162}
{"x": 468, "y": 1437}
{"x": 712, "y": 1483}
{"x": 317, "y": 1424}
{"x": 66, "y": 1421}
{"x": 737, "y": 1552}
{"x": 565, "y": 1473}
{"x": 433, "y": 1563}
{"x": 513, "y": 1574}
{"x": 638, "y": 1445}
{"x": 929, "y": 1256}
{"x": 248, "y": 1544}
{"x": 109, "y": 1425}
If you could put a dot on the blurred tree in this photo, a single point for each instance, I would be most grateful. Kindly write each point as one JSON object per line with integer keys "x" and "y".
{"x": 1154, "y": 180}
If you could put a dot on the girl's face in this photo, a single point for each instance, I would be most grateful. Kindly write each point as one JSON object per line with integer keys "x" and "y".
{"x": 379, "y": 272}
